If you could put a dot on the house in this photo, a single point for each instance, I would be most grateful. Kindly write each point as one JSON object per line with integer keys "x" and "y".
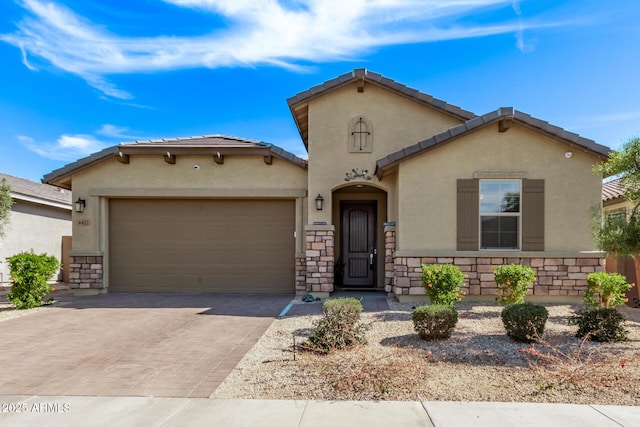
{"x": 395, "y": 178}
{"x": 615, "y": 203}
{"x": 40, "y": 221}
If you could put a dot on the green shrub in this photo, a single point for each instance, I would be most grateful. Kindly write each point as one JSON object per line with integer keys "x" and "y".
{"x": 513, "y": 282}
{"x": 524, "y": 322}
{"x": 442, "y": 283}
{"x": 600, "y": 324}
{"x": 605, "y": 290}
{"x": 29, "y": 273}
{"x": 340, "y": 326}
{"x": 433, "y": 322}
{"x": 350, "y": 305}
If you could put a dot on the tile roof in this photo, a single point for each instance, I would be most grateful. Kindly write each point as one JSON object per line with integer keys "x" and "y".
{"x": 35, "y": 192}
{"x": 504, "y": 113}
{"x": 204, "y": 140}
{"x": 380, "y": 80}
{"x": 362, "y": 74}
{"x": 217, "y": 141}
{"x": 612, "y": 190}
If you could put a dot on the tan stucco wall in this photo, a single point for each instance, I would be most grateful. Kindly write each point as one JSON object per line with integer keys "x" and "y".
{"x": 33, "y": 227}
{"x": 427, "y": 212}
{"x": 396, "y": 120}
{"x": 151, "y": 176}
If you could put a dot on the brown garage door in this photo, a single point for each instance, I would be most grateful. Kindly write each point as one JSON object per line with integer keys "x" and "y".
{"x": 225, "y": 246}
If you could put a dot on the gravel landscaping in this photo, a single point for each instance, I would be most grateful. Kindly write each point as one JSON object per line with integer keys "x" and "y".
{"x": 478, "y": 363}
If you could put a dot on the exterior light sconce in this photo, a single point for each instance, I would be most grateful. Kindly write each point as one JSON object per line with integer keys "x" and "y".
{"x": 568, "y": 154}
{"x": 319, "y": 202}
{"x": 80, "y": 205}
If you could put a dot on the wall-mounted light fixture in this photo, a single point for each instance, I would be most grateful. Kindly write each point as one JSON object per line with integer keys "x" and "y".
{"x": 568, "y": 154}
{"x": 319, "y": 202}
{"x": 80, "y": 205}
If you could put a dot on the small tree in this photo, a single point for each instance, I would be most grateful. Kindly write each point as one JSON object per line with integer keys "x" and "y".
{"x": 618, "y": 234}
{"x": 5, "y": 206}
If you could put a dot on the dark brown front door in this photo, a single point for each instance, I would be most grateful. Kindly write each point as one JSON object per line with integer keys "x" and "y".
{"x": 359, "y": 243}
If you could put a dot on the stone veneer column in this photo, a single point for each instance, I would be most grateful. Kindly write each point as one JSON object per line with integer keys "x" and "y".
{"x": 86, "y": 272}
{"x": 389, "y": 251}
{"x": 301, "y": 274}
{"x": 319, "y": 258}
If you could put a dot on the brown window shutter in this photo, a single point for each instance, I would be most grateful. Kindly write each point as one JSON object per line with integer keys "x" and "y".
{"x": 533, "y": 214}
{"x": 468, "y": 212}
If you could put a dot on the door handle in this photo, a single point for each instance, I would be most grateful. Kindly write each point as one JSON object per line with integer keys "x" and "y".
{"x": 372, "y": 252}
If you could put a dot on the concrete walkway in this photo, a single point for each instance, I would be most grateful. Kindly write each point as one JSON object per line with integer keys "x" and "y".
{"x": 73, "y": 411}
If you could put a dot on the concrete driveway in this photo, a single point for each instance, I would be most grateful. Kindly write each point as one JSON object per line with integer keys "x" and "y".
{"x": 169, "y": 345}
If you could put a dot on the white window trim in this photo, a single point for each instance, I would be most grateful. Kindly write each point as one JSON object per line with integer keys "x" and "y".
{"x": 480, "y": 215}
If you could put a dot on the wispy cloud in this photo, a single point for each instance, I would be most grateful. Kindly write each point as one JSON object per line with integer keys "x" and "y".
{"x": 117, "y": 132}
{"x": 276, "y": 32}
{"x": 70, "y": 147}
{"x": 522, "y": 44}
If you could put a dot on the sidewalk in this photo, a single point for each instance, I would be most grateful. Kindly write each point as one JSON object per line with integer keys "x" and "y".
{"x": 74, "y": 411}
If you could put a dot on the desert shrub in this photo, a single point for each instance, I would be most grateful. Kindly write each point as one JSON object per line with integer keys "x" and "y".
{"x": 340, "y": 325}
{"x": 605, "y": 290}
{"x": 29, "y": 274}
{"x": 570, "y": 365}
{"x": 442, "y": 283}
{"x": 513, "y": 282}
{"x": 524, "y": 322}
{"x": 600, "y": 324}
{"x": 434, "y": 321}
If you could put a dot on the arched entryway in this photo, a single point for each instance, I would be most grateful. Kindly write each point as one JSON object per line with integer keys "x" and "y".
{"x": 359, "y": 213}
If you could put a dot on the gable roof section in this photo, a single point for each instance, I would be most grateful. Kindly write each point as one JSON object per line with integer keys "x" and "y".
{"x": 613, "y": 190}
{"x": 299, "y": 104}
{"x": 214, "y": 145}
{"x": 505, "y": 116}
{"x": 34, "y": 192}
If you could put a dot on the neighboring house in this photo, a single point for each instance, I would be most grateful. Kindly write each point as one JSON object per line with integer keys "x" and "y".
{"x": 614, "y": 203}
{"x": 613, "y": 200}
{"x": 39, "y": 221}
{"x": 395, "y": 178}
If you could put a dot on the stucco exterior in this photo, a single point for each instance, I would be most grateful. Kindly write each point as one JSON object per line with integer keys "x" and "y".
{"x": 377, "y": 196}
{"x": 150, "y": 176}
{"x": 396, "y": 121}
{"x": 428, "y": 184}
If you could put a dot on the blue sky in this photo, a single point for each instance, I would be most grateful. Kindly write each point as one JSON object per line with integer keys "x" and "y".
{"x": 81, "y": 75}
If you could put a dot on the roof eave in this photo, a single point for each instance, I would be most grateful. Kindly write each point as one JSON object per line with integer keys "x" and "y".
{"x": 62, "y": 177}
{"x": 297, "y": 102}
{"x": 504, "y": 115}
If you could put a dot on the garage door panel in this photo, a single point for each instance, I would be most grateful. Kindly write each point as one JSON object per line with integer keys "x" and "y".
{"x": 244, "y": 246}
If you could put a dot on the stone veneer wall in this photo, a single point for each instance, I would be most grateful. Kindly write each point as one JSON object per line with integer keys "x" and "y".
{"x": 85, "y": 272}
{"x": 555, "y": 276}
{"x": 301, "y": 274}
{"x": 319, "y": 260}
